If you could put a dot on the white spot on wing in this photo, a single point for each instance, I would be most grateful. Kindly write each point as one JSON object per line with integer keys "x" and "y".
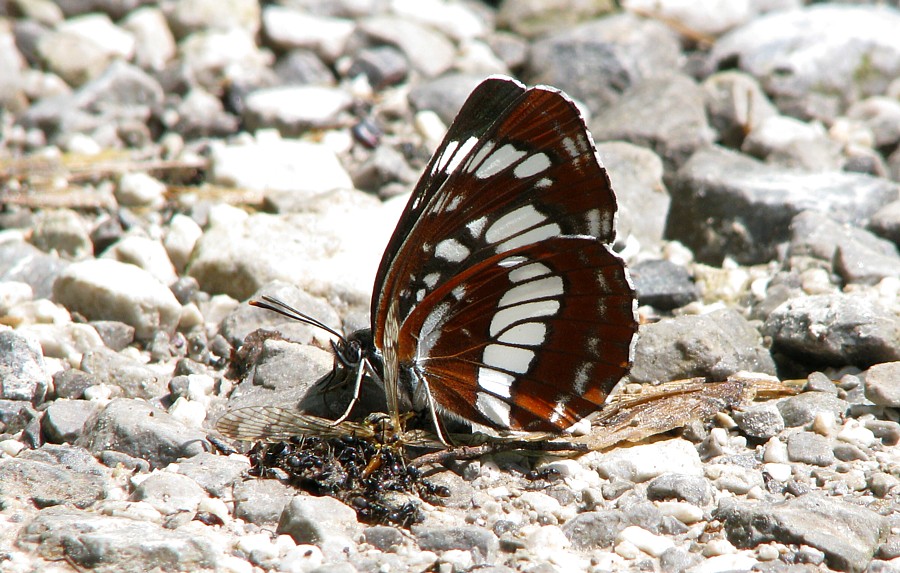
{"x": 525, "y": 334}
{"x": 431, "y": 330}
{"x": 532, "y": 166}
{"x": 505, "y": 317}
{"x": 459, "y": 292}
{"x": 441, "y": 163}
{"x": 460, "y": 155}
{"x": 477, "y": 226}
{"x": 532, "y": 236}
{"x": 558, "y": 412}
{"x": 529, "y": 271}
{"x": 511, "y": 262}
{"x": 454, "y": 203}
{"x": 479, "y": 156}
{"x": 513, "y": 223}
{"x": 543, "y": 183}
{"x": 493, "y": 409}
{"x": 508, "y": 358}
{"x": 451, "y": 250}
{"x": 431, "y": 279}
{"x": 582, "y": 377}
{"x": 547, "y": 287}
{"x": 499, "y": 160}
{"x": 593, "y": 221}
{"x": 496, "y": 382}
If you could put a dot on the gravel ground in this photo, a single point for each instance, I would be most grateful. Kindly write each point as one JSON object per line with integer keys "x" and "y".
{"x": 163, "y": 162}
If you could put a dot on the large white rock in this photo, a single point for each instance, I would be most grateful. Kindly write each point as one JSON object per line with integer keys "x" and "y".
{"x": 106, "y": 289}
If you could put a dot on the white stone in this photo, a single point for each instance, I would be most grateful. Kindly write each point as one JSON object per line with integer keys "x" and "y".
{"x": 701, "y": 17}
{"x": 289, "y": 28}
{"x": 140, "y": 190}
{"x": 718, "y": 547}
{"x": 775, "y": 451}
{"x": 99, "y": 29}
{"x": 105, "y": 289}
{"x": 645, "y": 462}
{"x": 154, "y": 44}
{"x": 11, "y": 447}
{"x": 719, "y": 563}
{"x": 301, "y": 559}
{"x": 540, "y": 502}
{"x": 456, "y": 20}
{"x": 12, "y": 294}
{"x": 286, "y": 165}
{"x": 181, "y": 236}
{"x": 296, "y": 108}
{"x": 686, "y": 513}
{"x": 778, "y": 471}
{"x": 146, "y": 253}
{"x": 646, "y": 541}
{"x": 259, "y": 543}
{"x": 855, "y": 433}
{"x": 189, "y": 412}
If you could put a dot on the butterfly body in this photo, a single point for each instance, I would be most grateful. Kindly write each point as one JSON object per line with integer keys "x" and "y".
{"x": 499, "y": 300}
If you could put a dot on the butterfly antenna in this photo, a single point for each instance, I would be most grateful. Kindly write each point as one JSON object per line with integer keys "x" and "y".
{"x": 284, "y": 309}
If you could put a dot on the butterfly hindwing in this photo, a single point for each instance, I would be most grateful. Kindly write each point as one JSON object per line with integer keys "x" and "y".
{"x": 531, "y": 339}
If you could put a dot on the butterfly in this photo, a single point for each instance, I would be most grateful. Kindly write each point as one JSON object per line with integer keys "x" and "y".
{"x": 499, "y": 300}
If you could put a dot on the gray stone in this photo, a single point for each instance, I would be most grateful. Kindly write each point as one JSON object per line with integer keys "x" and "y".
{"x": 444, "y": 95}
{"x": 848, "y": 533}
{"x": 106, "y": 544}
{"x": 810, "y": 59}
{"x": 382, "y": 66}
{"x": 64, "y": 232}
{"x": 663, "y": 284}
{"x": 213, "y": 58}
{"x": 429, "y": 52}
{"x": 22, "y": 373}
{"x": 815, "y": 234}
{"x": 595, "y": 529}
{"x": 116, "y": 335}
{"x": 883, "y": 384}
{"x": 303, "y": 67}
{"x": 22, "y": 262}
{"x": 759, "y": 421}
{"x": 169, "y": 493}
{"x": 789, "y": 142}
{"x": 666, "y": 115}
{"x": 881, "y": 115}
{"x": 689, "y": 488}
{"x": 736, "y": 105}
{"x": 64, "y": 420}
{"x": 138, "y": 429}
{"x": 483, "y": 544}
{"x": 120, "y": 97}
{"x": 45, "y": 483}
{"x": 802, "y": 409}
{"x": 15, "y": 415}
{"x": 726, "y": 204}
{"x": 201, "y": 114}
{"x": 637, "y": 177}
{"x": 885, "y": 222}
{"x": 104, "y": 289}
{"x": 383, "y": 537}
{"x": 261, "y": 501}
{"x": 810, "y": 448}
{"x": 835, "y": 329}
{"x": 214, "y": 473}
{"x": 598, "y": 61}
{"x": 136, "y": 380}
{"x": 713, "y": 345}
{"x": 535, "y": 18}
{"x": 302, "y": 519}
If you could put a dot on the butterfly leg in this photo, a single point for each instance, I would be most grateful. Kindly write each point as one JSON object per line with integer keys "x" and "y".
{"x": 360, "y": 372}
{"x": 434, "y": 414}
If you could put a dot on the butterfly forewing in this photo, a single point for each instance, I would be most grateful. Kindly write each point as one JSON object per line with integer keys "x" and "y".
{"x": 530, "y": 339}
{"x": 528, "y": 173}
